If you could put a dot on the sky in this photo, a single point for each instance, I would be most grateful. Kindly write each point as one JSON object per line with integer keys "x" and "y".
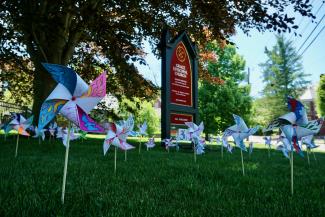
{"x": 252, "y": 49}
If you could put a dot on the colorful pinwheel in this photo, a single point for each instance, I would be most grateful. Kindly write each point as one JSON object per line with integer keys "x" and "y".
{"x": 20, "y": 124}
{"x": 74, "y": 99}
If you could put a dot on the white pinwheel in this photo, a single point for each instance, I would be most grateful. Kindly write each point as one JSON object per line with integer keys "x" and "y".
{"x": 239, "y": 132}
{"x": 150, "y": 143}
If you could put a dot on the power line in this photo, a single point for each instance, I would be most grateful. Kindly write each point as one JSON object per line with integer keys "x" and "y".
{"x": 311, "y": 33}
{"x": 303, "y": 31}
{"x": 302, "y": 18}
{"x": 313, "y": 40}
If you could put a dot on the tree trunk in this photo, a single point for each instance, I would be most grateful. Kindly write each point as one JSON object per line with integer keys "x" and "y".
{"x": 207, "y": 137}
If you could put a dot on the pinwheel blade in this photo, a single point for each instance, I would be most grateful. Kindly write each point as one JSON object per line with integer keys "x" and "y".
{"x": 49, "y": 110}
{"x": 87, "y": 124}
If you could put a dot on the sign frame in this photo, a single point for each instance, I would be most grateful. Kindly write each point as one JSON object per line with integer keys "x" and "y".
{"x": 168, "y": 45}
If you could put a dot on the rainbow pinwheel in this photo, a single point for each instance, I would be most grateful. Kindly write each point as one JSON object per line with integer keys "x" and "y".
{"x": 73, "y": 98}
{"x": 239, "y": 132}
{"x": 150, "y": 143}
{"x": 20, "y": 124}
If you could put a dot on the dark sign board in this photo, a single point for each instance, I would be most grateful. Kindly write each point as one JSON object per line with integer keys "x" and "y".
{"x": 179, "y": 83}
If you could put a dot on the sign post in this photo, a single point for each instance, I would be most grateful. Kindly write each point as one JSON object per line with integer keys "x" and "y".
{"x": 179, "y": 83}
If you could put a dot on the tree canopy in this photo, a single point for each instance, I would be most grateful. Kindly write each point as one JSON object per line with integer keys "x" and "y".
{"x": 283, "y": 76}
{"x": 320, "y": 101}
{"x": 92, "y": 35}
{"x": 218, "y": 102}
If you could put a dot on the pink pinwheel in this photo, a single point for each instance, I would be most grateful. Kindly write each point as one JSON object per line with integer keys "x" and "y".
{"x": 117, "y": 136}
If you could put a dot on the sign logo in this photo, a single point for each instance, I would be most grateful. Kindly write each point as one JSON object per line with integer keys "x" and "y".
{"x": 181, "y": 53}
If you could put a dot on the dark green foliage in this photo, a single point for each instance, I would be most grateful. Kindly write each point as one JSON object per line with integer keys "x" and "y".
{"x": 321, "y": 96}
{"x": 155, "y": 183}
{"x": 217, "y": 102}
{"x": 283, "y": 76}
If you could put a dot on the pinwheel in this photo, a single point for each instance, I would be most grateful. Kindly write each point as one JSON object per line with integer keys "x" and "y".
{"x": 226, "y": 144}
{"x": 52, "y": 128}
{"x": 294, "y": 126}
{"x": 59, "y": 133}
{"x": 239, "y": 132}
{"x": 142, "y": 131}
{"x": 117, "y": 136}
{"x": 200, "y": 143}
{"x": 128, "y": 126}
{"x": 169, "y": 143}
{"x": 20, "y": 124}
{"x": 268, "y": 143}
{"x": 194, "y": 131}
{"x": 284, "y": 145}
{"x": 310, "y": 145}
{"x": 150, "y": 143}
{"x": 66, "y": 138}
{"x": 39, "y": 134}
{"x": 74, "y": 99}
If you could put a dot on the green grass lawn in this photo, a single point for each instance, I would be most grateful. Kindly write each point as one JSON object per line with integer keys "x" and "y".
{"x": 155, "y": 183}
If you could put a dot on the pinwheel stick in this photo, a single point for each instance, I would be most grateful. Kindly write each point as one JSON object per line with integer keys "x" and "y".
{"x": 313, "y": 154}
{"x": 194, "y": 146}
{"x": 16, "y": 152}
{"x": 308, "y": 156}
{"x": 268, "y": 150}
{"x": 65, "y": 164}
{"x": 242, "y": 162}
{"x": 125, "y": 155}
{"x": 140, "y": 144}
{"x": 291, "y": 173}
{"x": 115, "y": 159}
{"x": 221, "y": 151}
